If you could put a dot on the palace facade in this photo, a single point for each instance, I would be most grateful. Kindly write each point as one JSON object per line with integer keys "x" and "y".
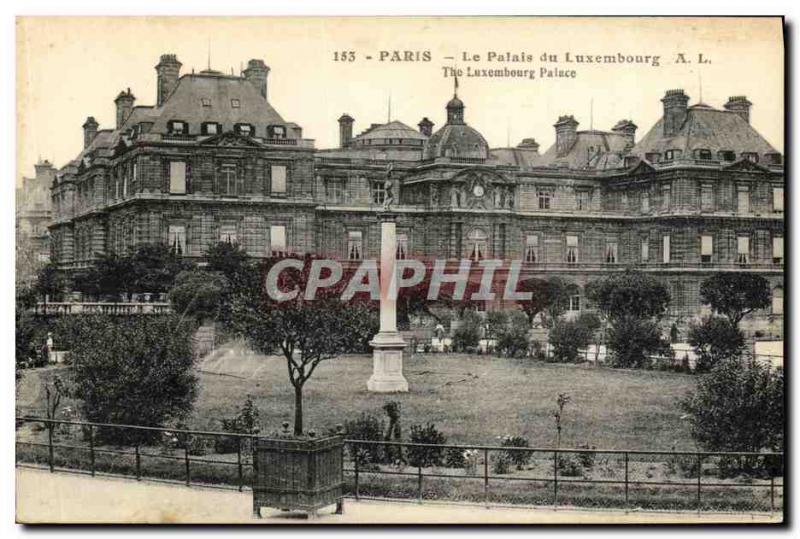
{"x": 700, "y": 192}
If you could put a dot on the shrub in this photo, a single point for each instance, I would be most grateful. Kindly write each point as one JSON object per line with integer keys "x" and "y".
{"x": 569, "y": 466}
{"x": 500, "y": 463}
{"x": 633, "y": 339}
{"x": 683, "y": 465}
{"x": 467, "y": 336}
{"x": 245, "y": 422}
{"x": 369, "y": 428}
{"x": 512, "y": 336}
{"x": 586, "y": 458}
{"x": 738, "y": 406}
{"x": 426, "y": 456}
{"x": 454, "y": 458}
{"x": 714, "y": 339}
{"x": 133, "y": 370}
{"x": 517, "y": 458}
{"x": 567, "y": 337}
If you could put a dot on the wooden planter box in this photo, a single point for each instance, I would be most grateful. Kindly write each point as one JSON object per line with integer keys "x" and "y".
{"x": 298, "y": 474}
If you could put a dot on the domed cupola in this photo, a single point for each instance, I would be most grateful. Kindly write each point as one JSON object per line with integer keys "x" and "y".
{"x": 456, "y": 139}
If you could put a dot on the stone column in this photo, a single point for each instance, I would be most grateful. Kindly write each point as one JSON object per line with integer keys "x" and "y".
{"x": 387, "y": 355}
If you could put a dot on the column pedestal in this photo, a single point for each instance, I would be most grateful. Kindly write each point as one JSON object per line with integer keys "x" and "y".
{"x": 388, "y": 345}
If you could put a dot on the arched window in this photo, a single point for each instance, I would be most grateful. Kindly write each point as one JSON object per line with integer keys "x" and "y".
{"x": 477, "y": 243}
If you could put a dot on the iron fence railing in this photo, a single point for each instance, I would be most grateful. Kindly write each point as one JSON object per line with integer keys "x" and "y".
{"x": 485, "y": 474}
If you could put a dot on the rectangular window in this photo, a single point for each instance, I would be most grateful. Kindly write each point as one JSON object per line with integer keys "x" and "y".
{"x": 210, "y": 128}
{"x": 227, "y": 234}
{"x": 334, "y": 190}
{"x": 177, "y": 239}
{"x": 777, "y": 301}
{"x": 278, "y": 179}
{"x": 572, "y": 250}
{"x": 177, "y": 177}
{"x": 355, "y": 245}
{"x": 582, "y": 200}
{"x": 707, "y": 197}
{"x": 228, "y": 180}
{"x": 645, "y": 201}
{"x": 743, "y": 249}
{"x": 377, "y": 191}
{"x": 531, "y": 248}
{"x": 611, "y": 252}
{"x": 575, "y": 302}
{"x": 402, "y": 247}
{"x": 277, "y": 239}
{"x": 665, "y": 254}
{"x": 666, "y": 195}
{"x": 706, "y": 248}
{"x": 743, "y": 200}
{"x": 777, "y": 250}
{"x": 235, "y": 103}
{"x": 645, "y": 250}
{"x": 205, "y": 101}
{"x": 545, "y": 196}
{"x": 777, "y": 199}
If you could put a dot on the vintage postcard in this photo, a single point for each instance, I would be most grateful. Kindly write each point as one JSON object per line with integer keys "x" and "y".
{"x": 385, "y": 270}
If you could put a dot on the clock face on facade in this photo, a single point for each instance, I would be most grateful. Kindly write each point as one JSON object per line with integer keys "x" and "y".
{"x": 478, "y": 191}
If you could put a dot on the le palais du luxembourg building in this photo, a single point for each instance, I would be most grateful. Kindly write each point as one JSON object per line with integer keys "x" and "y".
{"x": 699, "y": 192}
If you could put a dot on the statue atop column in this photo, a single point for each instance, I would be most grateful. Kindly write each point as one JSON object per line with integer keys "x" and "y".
{"x": 388, "y": 187}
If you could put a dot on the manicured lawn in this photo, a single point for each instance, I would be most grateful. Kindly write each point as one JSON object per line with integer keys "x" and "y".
{"x": 472, "y": 399}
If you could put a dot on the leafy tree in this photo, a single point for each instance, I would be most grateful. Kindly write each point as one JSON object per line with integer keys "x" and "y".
{"x": 229, "y": 259}
{"x": 133, "y": 370}
{"x": 307, "y": 332}
{"x": 567, "y": 337}
{"x": 512, "y": 334}
{"x": 467, "y": 335}
{"x": 738, "y": 406}
{"x": 198, "y": 294}
{"x": 154, "y": 267}
{"x": 633, "y": 340}
{"x": 630, "y": 294}
{"x": 735, "y": 295}
{"x": 714, "y": 340}
{"x": 549, "y": 299}
{"x": 109, "y": 276}
{"x": 50, "y": 282}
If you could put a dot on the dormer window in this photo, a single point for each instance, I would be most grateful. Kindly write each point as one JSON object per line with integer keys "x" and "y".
{"x": 672, "y": 154}
{"x": 244, "y": 129}
{"x": 726, "y": 155}
{"x": 773, "y": 158}
{"x": 235, "y": 103}
{"x": 750, "y": 156}
{"x": 178, "y": 127}
{"x": 653, "y": 157}
{"x": 276, "y": 131}
{"x": 206, "y": 102}
{"x": 210, "y": 128}
{"x": 702, "y": 154}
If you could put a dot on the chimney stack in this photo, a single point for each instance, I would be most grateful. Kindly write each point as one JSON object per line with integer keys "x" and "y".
{"x": 426, "y": 127}
{"x": 345, "y": 130}
{"x": 675, "y": 111}
{"x": 256, "y": 73}
{"x": 169, "y": 70}
{"x": 89, "y": 131}
{"x": 124, "y": 102}
{"x": 627, "y": 129}
{"x": 740, "y": 105}
{"x": 566, "y": 134}
{"x": 529, "y": 144}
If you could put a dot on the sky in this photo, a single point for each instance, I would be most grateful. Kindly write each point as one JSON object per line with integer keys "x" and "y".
{"x": 69, "y": 68}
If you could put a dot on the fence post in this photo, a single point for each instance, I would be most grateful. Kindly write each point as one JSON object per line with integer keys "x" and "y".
{"x": 555, "y": 477}
{"x": 239, "y": 461}
{"x": 50, "y": 445}
{"x": 419, "y": 482}
{"x": 91, "y": 446}
{"x": 486, "y": 477}
{"x": 626, "y": 479}
{"x": 138, "y": 464}
{"x": 355, "y": 462}
{"x": 186, "y": 460}
{"x": 699, "y": 475}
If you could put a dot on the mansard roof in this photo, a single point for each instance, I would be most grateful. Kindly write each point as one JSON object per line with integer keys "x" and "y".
{"x": 593, "y": 150}
{"x": 185, "y": 103}
{"x": 709, "y": 129}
